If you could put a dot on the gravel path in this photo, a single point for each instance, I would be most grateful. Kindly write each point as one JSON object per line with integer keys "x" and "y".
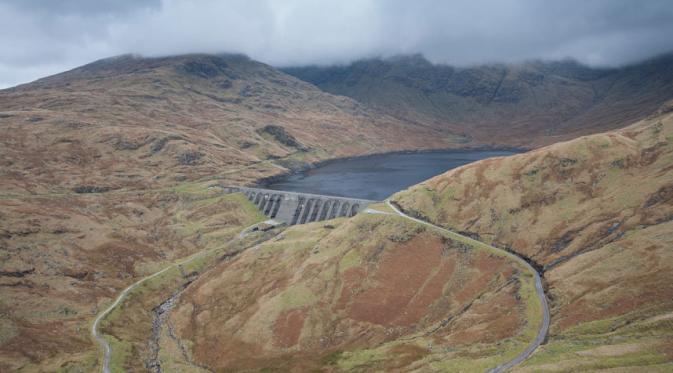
{"x": 542, "y": 333}
{"x": 95, "y": 332}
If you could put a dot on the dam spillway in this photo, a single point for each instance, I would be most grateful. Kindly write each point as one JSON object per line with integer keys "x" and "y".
{"x": 300, "y": 208}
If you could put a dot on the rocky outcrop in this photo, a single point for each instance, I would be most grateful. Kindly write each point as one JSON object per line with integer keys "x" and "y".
{"x": 282, "y": 136}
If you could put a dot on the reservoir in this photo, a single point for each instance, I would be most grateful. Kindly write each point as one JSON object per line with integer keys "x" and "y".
{"x": 377, "y": 177}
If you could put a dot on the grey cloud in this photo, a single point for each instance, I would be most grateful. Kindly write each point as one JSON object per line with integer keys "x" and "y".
{"x": 81, "y": 7}
{"x": 39, "y": 37}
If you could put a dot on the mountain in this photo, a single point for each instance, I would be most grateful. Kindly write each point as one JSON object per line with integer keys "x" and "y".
{"x": 153, "y": 122}
{"x": 101, "y": 180}
{"x": 595, "y": 215}
{"x": 109, "y": 178}
{"x": 132, "y": 122}
{"x": 527, "y": 104}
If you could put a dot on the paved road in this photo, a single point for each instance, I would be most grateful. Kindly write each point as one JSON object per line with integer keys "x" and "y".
{"x": 107, "y": 349}
{"x": 542, "y": 333}
{"x": 376, "y": 212}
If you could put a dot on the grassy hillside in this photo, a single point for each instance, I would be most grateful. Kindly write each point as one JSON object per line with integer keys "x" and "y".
{"x": 373, "y": 292}
{"x": 104, "y": 179}
{"x": 104, "y": 174}
{"x": 595, "y": 214}
{"x": 132, "y": 122}
{"x": 101, "y": 173}
{"x": 527, "y": 104}
{"x": 65, "y": 258}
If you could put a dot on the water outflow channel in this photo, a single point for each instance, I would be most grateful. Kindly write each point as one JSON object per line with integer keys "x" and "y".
{"x": 377, "y": 177}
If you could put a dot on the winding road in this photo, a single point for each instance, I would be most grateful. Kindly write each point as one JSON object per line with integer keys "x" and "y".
{"x": 95, "y": 332}
{"x": 542, "y": 333}
{"x": 107, "y": 350}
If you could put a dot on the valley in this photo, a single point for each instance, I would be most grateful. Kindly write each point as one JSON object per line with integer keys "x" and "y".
{"x": 115, "y": 231}
{"x": 526, "y": 104}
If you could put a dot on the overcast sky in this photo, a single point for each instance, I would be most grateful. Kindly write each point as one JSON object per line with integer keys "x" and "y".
{"x": 42, "y": 37}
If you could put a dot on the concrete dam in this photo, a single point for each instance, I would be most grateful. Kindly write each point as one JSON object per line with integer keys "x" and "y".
{"x": 300, "y": 208}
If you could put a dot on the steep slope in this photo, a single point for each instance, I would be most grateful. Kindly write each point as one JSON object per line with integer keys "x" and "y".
{"x": 97, "y": 189}
{"x": 133, "y": 122}
{"x": 64, "y": 258}
{"x": 527, "y": 104}
{"x": 373, "y": 292}
{"x": 96, "y": 185}
{"x": 595, "y": 215}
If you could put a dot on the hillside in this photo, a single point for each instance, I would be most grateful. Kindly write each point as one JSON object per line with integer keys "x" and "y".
{"x": 132, "y": 122}
{"x": 340, "y": 295}
{"x": 527, "y": 104}
{"x": 64, "y": 258}
{"x": 107, "y": 176}
{"x": 369, "y": 293}
{"x": 594, "y": 214}
{"x": 97, "y": 171}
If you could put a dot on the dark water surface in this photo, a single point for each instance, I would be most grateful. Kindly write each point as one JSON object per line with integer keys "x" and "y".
{"x": 377, "y": 177}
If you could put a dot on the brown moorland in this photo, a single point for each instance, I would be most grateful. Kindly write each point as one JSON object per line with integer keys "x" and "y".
{"x": 372, "y": 292}
{"x": 96, "y": 171}
{"x": 96, "y": 167}
{"x": 595, "y": 215}
{"x": 131, "y": 122}
{"x": 65, "y": 258}
{"x": 103, "y": 180}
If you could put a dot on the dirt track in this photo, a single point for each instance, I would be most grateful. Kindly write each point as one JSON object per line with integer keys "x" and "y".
{"x": 107, "y": 350}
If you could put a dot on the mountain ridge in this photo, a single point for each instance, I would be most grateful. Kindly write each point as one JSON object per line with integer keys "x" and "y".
{"x": 202, "y": 112}
{"x": 109, "y": 173}
{"x": 526, "y": 104}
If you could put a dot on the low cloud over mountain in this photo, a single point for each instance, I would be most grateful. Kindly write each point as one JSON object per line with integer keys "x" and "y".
{"x": 42, "y": 37}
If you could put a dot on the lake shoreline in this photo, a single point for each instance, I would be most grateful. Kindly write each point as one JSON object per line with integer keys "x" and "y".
{"x": 267, "y": 181}
{"x": 375, "y": 176}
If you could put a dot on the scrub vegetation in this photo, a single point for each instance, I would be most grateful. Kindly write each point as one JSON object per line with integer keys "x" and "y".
{"x": 594, "y": 214}
{"x": 109, "y": 173}
{"x": 67, "y": 258}
{"x": 373, "y": 292}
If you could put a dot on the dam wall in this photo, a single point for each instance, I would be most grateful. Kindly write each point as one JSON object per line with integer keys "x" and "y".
{"x": 300, "y": 208}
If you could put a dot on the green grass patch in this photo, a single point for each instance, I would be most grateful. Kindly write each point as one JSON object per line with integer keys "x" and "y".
{"x": 122, "y": 351}
{"x": 465, "y": 364}
{"x": 332, "y": 358}
{"x": 577, "y": 355}
{"x": 360, "y": 359}
{"x": 194, "y": 188}
{"x": 8, "y": 329}
{"x": 351, "y": 259}
{"x": 296, "y": 296}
